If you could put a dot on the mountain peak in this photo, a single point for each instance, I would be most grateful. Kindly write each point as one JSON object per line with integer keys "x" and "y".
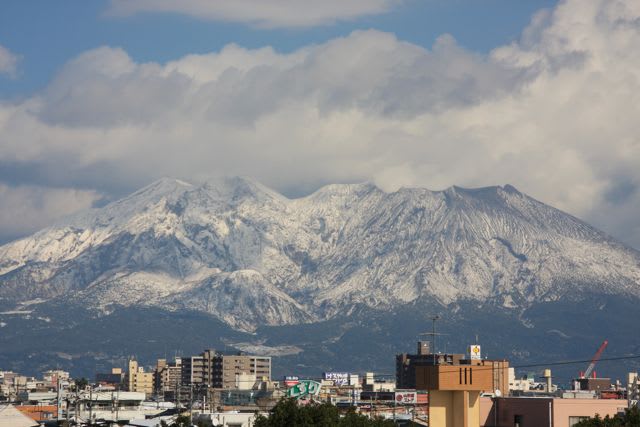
{"x": 236, "y": 188}
{"x": 342, "y": 246}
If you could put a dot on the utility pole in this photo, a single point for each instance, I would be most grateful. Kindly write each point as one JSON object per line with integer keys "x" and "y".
{"x": 191, "y": 404}
{"x": 117, "y": 401}
{"x": 90, "y": 405}
{"x": 58, "y": 402}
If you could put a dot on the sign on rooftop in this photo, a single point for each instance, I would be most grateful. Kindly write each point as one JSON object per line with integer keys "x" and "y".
{"x": 304, "y": 388}
{"x": 474, "y": 352}
{"x": 338, "y": 378}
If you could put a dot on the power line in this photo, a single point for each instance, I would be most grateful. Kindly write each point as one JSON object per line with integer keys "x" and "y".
{"x": 533, "y": 365}
{"x": 573, "y": 362}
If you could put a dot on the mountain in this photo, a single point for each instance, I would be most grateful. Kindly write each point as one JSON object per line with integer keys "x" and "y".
{"x": 250, "y": 260}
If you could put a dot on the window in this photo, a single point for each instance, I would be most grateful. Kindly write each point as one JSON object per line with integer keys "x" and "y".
{"x": 575, "y": 420}
{"x": 517, "y": 421}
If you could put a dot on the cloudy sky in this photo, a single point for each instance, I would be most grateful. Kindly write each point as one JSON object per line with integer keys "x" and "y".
{"x": 100, "y": 98}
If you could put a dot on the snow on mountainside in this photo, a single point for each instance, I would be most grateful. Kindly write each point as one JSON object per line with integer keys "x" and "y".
{"x": 248, "y": 255}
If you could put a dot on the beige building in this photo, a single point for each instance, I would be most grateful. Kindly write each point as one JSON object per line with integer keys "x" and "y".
{"x": 237, "y": 368}
{"x": 224, "y": 371}
{"x": 454, "y": 389}
{"x": 138, "y": 380}
{"x": 544, "y": 412}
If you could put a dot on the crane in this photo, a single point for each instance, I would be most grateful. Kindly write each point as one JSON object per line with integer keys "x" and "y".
{"x": 595, "y": 359}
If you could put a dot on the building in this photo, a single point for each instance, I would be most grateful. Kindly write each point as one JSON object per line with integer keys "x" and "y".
{"x": 55, "y": 377}
{"x": 138, "y": 380}
{"x": 455, "y": 385}
{"x": 544, "y": 412}
{"x": 11, "y": 417}
{"x": 39, "y": 413}
{"x": 218, "y": 370}
{"x": 167, "y": 376}
{"x": 115, "y": 378}
{"x": 372, "y": 384}
{"x": 205, "y": 368}
{"x": 115, "y": 406}
{"x": 235, "y": 367}
{"x": 592, "y": 384}
{"x": 406, "y": 364}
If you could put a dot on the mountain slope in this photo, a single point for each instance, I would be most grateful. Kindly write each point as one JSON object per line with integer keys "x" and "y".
{"x": 239, "y": 251}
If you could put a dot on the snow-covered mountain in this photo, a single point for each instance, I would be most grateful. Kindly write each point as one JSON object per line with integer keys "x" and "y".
{"x": 250, "y": 256}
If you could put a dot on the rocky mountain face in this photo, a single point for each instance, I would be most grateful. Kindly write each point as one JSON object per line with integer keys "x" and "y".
{"x": 342, "y": 279}
{"x": 250, "y": 257}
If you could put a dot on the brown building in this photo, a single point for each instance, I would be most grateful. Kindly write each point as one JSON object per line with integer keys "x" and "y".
{"x": 406, "y": 364}
{"x": 455, "y": 384}
{"x": 594, "y": 384}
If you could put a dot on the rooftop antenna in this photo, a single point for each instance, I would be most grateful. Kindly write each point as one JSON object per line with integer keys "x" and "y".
{"x": 433, "y": 332}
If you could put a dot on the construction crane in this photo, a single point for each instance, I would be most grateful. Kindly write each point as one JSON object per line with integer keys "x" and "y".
{"x": 595, "y": 359}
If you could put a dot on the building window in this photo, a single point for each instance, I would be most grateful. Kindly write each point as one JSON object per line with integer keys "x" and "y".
{"x": 518, "y": 421}
{"x": 575, "y": 420}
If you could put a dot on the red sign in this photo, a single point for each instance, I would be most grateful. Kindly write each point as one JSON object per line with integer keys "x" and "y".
{"x": 404, "y": 397}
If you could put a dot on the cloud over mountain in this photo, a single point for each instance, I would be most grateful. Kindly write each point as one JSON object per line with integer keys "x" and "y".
{"x": 555, "y": 113}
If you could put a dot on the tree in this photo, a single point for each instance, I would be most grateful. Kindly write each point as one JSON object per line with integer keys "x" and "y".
{"x": 81, "y": 383}
{"x": 630, "y": 418}
{"x": 288, "y": 413}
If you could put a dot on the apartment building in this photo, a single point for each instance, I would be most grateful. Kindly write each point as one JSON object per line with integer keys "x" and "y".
{"x": 167, "y": 375}
{"x": 138, "y": 380}
{"x": 223, "y": 371}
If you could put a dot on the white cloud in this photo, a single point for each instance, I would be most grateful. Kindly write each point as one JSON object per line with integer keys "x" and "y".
{"x": 25, "y": 209}
{"x": 8, "y": 62}
{"x": 260, "y": 13}
{"x": 555, "y": 114}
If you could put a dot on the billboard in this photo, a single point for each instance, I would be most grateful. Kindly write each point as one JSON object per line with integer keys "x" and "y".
{"x": 338, "y": 378}
{"x": 406, "y": 397}
{"x": 474, "y": 352}
{"x": 291, "y": 380}
{"x": 303, "y": 389}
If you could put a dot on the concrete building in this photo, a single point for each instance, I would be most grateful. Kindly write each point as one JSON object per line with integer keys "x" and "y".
{"x": 138, "y": 380}
{"x": 372, "y": 384}
{"x": 455, "y": 385}
{"x": 205, "y": 368}
{"x": 115, "y": 378}
{"x": 55, "y": 377}
{"x": 167, "y": 376}
{"x": 544, "y": 412}
{"x": 223, "y": 371}
{"x": 406, "y": 364}
{"x": 235, "y": 367}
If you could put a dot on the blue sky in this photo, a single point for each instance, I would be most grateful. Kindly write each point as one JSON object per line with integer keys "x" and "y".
{"x": 98, "y": 98}
{"x": 48, "y": 34}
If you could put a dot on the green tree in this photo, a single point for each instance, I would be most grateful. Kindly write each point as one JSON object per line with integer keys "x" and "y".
{"x": 287, "y": 413}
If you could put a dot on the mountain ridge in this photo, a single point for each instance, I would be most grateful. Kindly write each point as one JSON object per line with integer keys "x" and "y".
{"x": 249, "y": 256}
